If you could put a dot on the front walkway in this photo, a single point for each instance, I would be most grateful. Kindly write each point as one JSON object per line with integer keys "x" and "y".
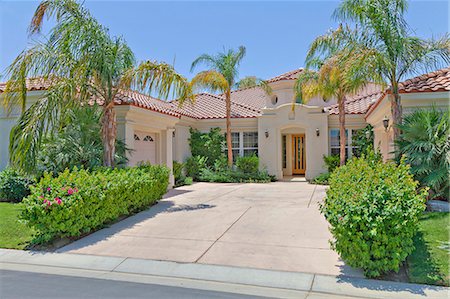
{"x": 270, "y": 226}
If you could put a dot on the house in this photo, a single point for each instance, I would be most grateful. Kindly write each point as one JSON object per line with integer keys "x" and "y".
{"x": 290, "y": 139}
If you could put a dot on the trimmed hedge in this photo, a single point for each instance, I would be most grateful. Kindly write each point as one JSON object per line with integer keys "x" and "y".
{"x": 373, "y": 209}
{"x": 13, "y": 185}
{"x": 80, "y": 201}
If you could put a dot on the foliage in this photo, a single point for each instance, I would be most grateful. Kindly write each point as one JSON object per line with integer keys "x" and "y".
{"x": 229, "y": 175}
{"x": 79, "y": 201}
{"x": 363, "y": 139}
{"x": 14, "y": 186}
{"x": 178, "y": 173}
{"x": 373, "y": 210}
{"x": 385, "y": 48}
{"x": 188, "y": 181}
{"x": 193, "y": 166}
{"x": 425, "y": 144}
{"x": 79, "y": 60}
{"x": 321, "y": 179}
{"x": 332, "y": 162}
{"x": 429, "y": 262}
{"x": 210, "y": 145}
{"x": 13, "y": 233}
{"x": 248, "y": 164}
{"x": 77, "y": 143}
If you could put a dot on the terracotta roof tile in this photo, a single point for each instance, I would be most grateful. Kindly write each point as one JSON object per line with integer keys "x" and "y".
{"x": 434, "y": 81}
{"x": 358, "y": 104}
{"x": 292, "y": 75}
{"x": 32, "y": 84}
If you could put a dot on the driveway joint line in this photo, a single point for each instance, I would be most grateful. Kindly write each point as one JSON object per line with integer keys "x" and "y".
{"x": 312, "y": 195}
{"x": 113, "y": 270}
{"x": 226, "y": 193}
{"x": 203, "y": 254}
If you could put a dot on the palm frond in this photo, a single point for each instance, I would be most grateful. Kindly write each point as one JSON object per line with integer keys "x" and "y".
{"x": 210, "y": 80}
{"x": 252, "y": 81}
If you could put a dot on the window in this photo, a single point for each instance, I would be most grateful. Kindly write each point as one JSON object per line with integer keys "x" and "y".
{"x": 244, "y": 143}
{"x": 136, "y": 137}
{"x": 335, "y": 146}
{"x": 148, "y": 138}
{"x": 284, "y": 151}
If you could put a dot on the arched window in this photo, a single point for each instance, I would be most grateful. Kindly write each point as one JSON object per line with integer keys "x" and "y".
{"x": 148, "y": 138}
{"x": 136, "y": 137}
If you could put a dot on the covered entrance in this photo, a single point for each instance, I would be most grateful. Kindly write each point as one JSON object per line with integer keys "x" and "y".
{"x": 298, "y": 154}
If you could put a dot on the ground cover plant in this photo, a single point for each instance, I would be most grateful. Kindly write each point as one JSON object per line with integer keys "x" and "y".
{"x": 373, "y": 210}
{"x": 429, "y": 262}
{"x": 79, "y": 201}
{"x": 13, "y": 233}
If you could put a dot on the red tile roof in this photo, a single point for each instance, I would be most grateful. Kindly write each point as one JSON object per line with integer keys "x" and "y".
{"x": 144, "y": 101}
{"x": 292, "y": 75}
{"x": 32, "y": 84}
{"x": 358, "y": 104}
{"x": 431, "y": 82}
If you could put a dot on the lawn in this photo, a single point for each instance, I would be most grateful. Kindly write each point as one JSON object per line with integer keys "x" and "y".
{"x": 429, "y": 263}
{"x": 13, "y": 234}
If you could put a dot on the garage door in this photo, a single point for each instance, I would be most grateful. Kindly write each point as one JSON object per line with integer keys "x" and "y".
{"x": 144, "y": 148}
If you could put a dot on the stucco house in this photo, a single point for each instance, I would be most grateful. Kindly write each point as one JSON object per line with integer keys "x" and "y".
{"x": 288, "y": 141}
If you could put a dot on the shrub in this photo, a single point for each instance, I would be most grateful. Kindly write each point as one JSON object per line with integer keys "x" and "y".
{"x": 188, "y": 181}
{"x": 193, "y": 166}
{"x": 234, "y": 176}
{"x": 363, "y": 140}
{"x": 373, "y": 210}
{"x": 13, "y": 185}
{"x": 332, "y": 162}
{"x": 321, "y": 179}
{"x": 248, "y": 164}
{"x": 210, "y": 145}
{"x": 425, "y": 144}
{"x": 178, "y": 169}
{"x": 79, "y": 201}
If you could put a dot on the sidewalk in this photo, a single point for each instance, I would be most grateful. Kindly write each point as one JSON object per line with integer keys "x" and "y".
{"x": 247, "y": 281}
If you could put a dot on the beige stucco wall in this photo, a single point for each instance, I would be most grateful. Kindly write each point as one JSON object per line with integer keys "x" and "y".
{"x": 304, "y": 119}
{"x": 410, "y": 102}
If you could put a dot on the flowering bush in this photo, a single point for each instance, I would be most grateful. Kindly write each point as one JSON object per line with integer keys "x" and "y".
{"x": 80, "y": 201}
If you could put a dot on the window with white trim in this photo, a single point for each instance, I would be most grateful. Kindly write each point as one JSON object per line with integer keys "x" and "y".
{"x": 244, "y": 143}
{"x": 335, "y": 143}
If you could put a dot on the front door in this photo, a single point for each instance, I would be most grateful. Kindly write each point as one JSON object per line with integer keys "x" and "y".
{"x": 299, "y": 154}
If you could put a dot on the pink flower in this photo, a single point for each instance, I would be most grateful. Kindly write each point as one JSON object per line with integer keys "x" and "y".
{"x": 48, "y": 202}
{"x": 70, "y": 191}
{"x": 63, "y": 188}
{"x": 58, "y": 200}
{"x": 41, "y": 196}
{"x": 75, "y": 189}
{"x": 49, "y": 189}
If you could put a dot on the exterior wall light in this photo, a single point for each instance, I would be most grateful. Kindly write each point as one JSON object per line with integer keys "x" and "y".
{"x": 266, "y": 133}
{"x": 386, "y": 123}
{"x": 317, "y": 132}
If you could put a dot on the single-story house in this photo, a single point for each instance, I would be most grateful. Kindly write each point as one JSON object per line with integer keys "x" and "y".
{"x": 288, "y": 141}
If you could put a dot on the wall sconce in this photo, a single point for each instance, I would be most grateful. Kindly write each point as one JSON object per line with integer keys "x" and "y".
{"x": 386, "y": 123}
{"x": 317, "y": 132}
{"x": 266, "y": 133}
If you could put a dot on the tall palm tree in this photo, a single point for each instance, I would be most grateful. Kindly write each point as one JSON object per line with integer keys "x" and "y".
{"x": 387, "y": 47}
{"x": 222, "y": 77}
{"x": 326, "y": 75}
{"x": 81, "y": 63}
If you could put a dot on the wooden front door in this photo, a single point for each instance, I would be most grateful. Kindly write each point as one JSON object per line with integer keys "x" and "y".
{"x": 299, "y": 154}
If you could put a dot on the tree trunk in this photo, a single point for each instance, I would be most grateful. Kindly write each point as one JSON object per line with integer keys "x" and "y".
{"x": 109, "y": 135}
{"x": 229, "y": 144}
{"x": 396, "y": 111}
{"x": 342, "y": 138}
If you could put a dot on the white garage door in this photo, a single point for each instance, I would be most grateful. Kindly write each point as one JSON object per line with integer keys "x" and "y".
{"x": 144, "y": 148}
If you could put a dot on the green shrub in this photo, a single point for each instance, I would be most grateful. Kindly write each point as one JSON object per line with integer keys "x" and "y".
{"x": 193, "y": 166}
{"x": 321, "y": 179}
{"x": 188, "y": 181}
{"x": 178, "y": 169}
{"x": 13, "y": 185}
{"x": 332, "y": 162}
{"x": 80, "y": 201}
{"x": 210, "y": 145}
{"x": 234, "y": 176}
{"x": 373, "y": 210}
{"x": 248, "y": 164}
{"x": 363, "y": 140}
{"x": 425, "y": 144}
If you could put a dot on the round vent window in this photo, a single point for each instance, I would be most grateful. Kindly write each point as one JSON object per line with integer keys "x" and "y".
{"x": 274, "y": 100}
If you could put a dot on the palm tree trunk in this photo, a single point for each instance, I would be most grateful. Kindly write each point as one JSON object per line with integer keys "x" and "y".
{"x": 343, "y": 140}
{"x": 396, "y": 111}
{"x": 109, "y": 135}
{"x": 229, "y": 145}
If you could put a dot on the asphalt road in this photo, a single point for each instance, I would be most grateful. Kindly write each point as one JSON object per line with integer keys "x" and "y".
{"x": 17, "y": 284}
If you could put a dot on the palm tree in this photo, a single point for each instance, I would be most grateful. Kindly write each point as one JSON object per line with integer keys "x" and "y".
{"x": 222, "y": 77}
{"x": 326, "y": 75}
{"x": 386, "y": 46}
{"x": 82, "y": 64}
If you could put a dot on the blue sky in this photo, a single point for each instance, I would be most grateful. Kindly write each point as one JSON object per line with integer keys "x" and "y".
{"x": 276, "y": 34}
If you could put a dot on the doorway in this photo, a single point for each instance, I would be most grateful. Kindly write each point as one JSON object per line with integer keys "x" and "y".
{"x": 299, "y": 154}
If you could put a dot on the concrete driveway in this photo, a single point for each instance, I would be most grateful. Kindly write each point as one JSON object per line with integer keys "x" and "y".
{"x": 271, "y": 226}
